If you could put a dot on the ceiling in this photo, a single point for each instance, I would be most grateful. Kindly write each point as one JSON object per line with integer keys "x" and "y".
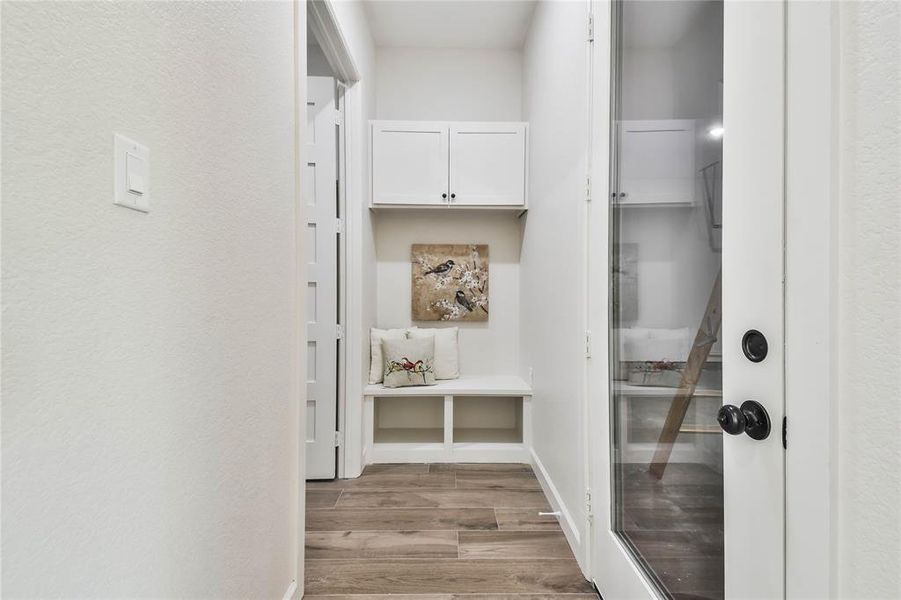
{"x": 493, "y": 24}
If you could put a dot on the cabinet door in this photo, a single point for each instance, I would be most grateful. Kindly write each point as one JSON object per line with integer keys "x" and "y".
{"x": 488, "y": 164}
{"x": 409, "y": 163}
{"x": 657, "y": 162}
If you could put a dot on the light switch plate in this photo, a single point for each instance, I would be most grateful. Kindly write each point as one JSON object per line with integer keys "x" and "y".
{"x": 132, "y": 174}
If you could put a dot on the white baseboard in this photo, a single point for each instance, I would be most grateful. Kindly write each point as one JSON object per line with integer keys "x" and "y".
{"x": 567, "y": 523}
{"x": 291, "y": 594}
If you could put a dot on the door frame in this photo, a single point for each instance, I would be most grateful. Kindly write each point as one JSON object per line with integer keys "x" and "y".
{"x": 327, "y": 31}
{"x": 811, "y": 186}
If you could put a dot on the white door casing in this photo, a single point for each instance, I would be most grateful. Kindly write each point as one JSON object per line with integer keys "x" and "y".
{"x": 753, "y": 294}
{"x": 320, "y": 197}
{"x": 487, "y": 164}
{"x": 409, "y": 163}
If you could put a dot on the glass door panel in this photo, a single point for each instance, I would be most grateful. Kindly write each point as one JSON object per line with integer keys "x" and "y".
{"x": 666, "y": 368}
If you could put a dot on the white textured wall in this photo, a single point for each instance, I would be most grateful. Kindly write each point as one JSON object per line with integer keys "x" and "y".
{"x": 553, "y": 267}
{"x": 868, "y": 485}
{"x": 149, "y": 419}
{"x": 486, "y": 348}
{"x": 448, "y": 84}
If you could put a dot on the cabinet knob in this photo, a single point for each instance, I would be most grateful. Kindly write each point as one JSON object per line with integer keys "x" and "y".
{"x": 453, "y": 195}
{"x": 444, "y": 195}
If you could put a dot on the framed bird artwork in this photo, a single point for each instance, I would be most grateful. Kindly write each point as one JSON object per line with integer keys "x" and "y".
{"x": 450, "y": 282}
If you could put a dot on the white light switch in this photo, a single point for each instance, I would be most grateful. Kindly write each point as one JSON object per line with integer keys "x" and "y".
{"x": 132, "y": 174}
{"x": 136, "y": 171}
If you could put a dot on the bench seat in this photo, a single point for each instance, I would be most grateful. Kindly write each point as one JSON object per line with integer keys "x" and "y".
{"x": 465, "y": 385}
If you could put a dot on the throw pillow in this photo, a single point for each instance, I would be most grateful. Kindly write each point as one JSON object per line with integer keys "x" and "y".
{"x": 377, "y": 365}
{"x": 409, "y": 361}
{"x": 447, "y": 353}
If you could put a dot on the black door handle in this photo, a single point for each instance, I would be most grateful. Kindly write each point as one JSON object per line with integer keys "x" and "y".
{"x": 751, "y": 418}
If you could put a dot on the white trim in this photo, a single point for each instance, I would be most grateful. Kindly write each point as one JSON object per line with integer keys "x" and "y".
{"x": 327, "y": 32}
{"x": 810, "y": 270}
{"x": 610, "y": 565}
{"x": 354, "y": 131}
{"x": 299, "y": 357}
{"x": 343, "y": 339}
{"x": 567, "y": 523}
{"x": 291, "y": 592}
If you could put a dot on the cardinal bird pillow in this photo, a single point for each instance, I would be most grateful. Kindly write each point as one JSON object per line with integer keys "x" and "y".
{"x": 409, "y": 361}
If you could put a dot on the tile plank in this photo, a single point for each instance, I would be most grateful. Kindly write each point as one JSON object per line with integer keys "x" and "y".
{"x": 396, "y": 468}
{"x": 387, "y": 519}
{"x": 524, "y": 596}
{"x": 322, "y": 499}
{"x": 378, "y": 596}
{"x": 525, "y": 519}
{"x": 513, "y": 544}
{"x": 437, "y": 576}
{"x": 445, "y": 499}
{"x": 451, "y": 597}
{"x": 381, "y": 544}
{"x": 481, "y": 467}
{"x": 497, "y": 480}
{"x": 391, "y": 481}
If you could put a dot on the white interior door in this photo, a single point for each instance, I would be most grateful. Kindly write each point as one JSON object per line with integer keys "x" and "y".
{"x": 688, "y": 494}
{"x": 321, "y": 198}
{"x": 409, "y": 163}
{"x": 488, "y": 164}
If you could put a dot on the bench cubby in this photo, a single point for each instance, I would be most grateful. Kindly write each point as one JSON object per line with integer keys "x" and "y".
{"x": 470, "y": 419}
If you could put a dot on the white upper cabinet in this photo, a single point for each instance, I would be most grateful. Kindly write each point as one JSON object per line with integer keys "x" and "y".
{"x": 487, "y": 164}
{"x": 409, "y": 163}
{"x": 657, "y": 163}
{"x": 457, "y": 165}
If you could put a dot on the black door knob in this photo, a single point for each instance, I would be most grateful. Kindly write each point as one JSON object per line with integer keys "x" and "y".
{"x": 444, "y": 195}
{"x": 751, "y": 419}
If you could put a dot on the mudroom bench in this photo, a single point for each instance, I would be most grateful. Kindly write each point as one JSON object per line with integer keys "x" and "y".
{"x": 469, "y": 419}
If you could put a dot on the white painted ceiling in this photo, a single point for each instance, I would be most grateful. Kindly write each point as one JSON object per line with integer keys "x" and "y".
{"x": 442, "y": 24}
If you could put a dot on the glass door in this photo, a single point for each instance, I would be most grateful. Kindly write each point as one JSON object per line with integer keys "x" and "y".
{"x": 695, "y": 461}
{"x": 666, "y": 358}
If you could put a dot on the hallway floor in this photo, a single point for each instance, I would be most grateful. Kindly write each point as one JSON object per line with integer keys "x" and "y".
{"x": 440, "y": 532}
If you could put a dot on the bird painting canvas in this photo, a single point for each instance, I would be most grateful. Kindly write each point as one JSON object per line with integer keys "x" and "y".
{"x": 450, "y": 282}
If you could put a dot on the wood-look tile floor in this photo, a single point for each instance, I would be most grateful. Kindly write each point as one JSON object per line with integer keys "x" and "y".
{"x": 437, "y": 532}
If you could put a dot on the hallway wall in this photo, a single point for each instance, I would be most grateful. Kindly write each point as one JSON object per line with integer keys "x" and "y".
{"x": 553, "y": 270}
{"x": 149, "y": 422}
{"x": 449, "y": 84}
{"x": 868, "y": 452}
